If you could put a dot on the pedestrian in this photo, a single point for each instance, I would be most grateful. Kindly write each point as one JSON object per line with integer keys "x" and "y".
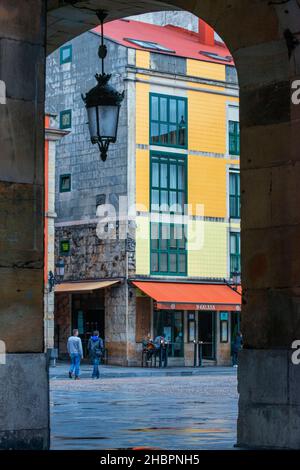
{"x": 95, "y": 348}
{"x": 75, "y": 351}
{"x": 236, "y": 348}
{"x": 161, "y": 347}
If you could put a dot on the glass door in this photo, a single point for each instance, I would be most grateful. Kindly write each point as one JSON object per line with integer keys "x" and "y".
{"x": 206, "y": 325}
{"x": 170, "y": 324}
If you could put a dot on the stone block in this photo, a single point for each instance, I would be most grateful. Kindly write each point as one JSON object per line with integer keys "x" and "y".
{"x": 22, "y": 68}
{"x": 285, "y": 194}
{"x": 267, "y": 62}
{"x": 262, "y": 376}
{"x": 271, "y": 318}
{"x": 24, "y": 24}
{"x": 22, "y": 142}
{"x": 271, "y": 259}
{"x": 268, "y": 426}
{"x": 265, "y": 104}
{"x": 256, "y": 205}
{"x": 21, "y": 309}
{"x": 24, "y": 402}
{"x": 294, "y": 383}
{"x": 21, "y": 232}
{"x": 276, "y": 138}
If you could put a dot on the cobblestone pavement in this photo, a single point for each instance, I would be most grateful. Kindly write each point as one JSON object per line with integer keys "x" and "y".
{"x": 162, "y": 412}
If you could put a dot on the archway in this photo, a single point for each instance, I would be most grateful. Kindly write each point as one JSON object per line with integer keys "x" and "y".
{"x": 262, "y": 37}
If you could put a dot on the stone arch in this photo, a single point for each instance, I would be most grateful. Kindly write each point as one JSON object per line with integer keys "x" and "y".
{"x": 263, "y": 36}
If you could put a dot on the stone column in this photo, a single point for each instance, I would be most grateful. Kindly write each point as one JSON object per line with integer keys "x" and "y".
{"x": 24, "y": 404}
{"x": 269, "y": 383}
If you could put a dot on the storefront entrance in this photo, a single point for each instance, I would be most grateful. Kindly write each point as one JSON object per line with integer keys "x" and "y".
{"x": 88, "y": 315}
{"x": 170, "y": 324}
{"x": 207, "y": 334}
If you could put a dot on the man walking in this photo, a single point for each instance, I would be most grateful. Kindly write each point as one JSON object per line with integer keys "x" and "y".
{"x": 74, "y": 346}
{"x": 95, "y": 347}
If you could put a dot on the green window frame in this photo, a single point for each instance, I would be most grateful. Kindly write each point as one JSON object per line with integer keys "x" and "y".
{"x": 168, "y": 190}
{"x": 64, "y": 247}
{"x": 168, "y": 121}
{"x": 65, "y": 183}
{"x": 235, "y": 252}
{"x": 234, "y": 195}
{"x": 65, "y": 119}
{"x": 66, "y": 54}
{"x": 234, "y": 137}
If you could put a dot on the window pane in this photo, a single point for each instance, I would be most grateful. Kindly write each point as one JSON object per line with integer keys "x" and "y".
{"x": 163, "y": 134}
{"x": 173, "y": 241}
{"x": 173, "y": 134}
{"x": 163, "y": 175}
{"x": 154, "y": 133}
{"x": 173, "y": 111}
{"x": 163, "y": 109}
{"x": 154, "y": 236}
{"x": 181, "y": 177}
{"x": 173, "y": 201}
{"x": 163, "y": 262}
{"x": 155, "y": 199}
{"x": 173, "y": 263}
{"x": 181, "y": 201}
{"x": 181, "y": 111}
{"x": 232, "y": 183}
{"x": 233, "y": 244}
{"x": 173, "y": 182}
{"x": 164, "y": 201}
{"x": 155, "y": 174}
{"x": 154, "y": 108}
{"x": 154, "y": 262}
{"x": 182, "y": 263}
{"x": 182, "y": 135}
{"x": 164, "y": 237}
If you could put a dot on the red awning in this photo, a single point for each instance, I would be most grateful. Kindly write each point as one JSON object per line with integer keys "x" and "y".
{"x": 187, "y": 296}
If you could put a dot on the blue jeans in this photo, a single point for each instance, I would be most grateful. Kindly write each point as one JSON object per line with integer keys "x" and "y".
{"x": 96, "y": 362}
{"x": 75, "y": 364}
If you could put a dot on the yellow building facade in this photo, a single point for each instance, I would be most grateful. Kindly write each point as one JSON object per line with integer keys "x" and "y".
{"x": 211, "y": 104}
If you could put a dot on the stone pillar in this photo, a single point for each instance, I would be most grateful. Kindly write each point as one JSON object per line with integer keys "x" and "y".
{"x": 24, "y": 407}
{"x": 269, "y": 383}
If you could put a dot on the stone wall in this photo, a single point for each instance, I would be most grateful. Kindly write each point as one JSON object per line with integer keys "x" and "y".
{"x": 90, "y": 257}
{"x": 90, "y": 177}
{"x": 63, "y": 322}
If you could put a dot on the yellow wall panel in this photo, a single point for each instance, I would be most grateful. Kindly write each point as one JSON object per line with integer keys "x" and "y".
{"x": 142, "y": 59}
{"x": 207, "y": 122}
{"x": 209, "y": 259}
{"x": 196, "y": 68}
{"x": 142, "y": 246}
{"x": 142, "y": 178}
{"x": 207, "y": 185}
{"x": 142, "y": 113}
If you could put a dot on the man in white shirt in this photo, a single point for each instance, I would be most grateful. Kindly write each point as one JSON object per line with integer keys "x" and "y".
{"x": 74, "y": 346}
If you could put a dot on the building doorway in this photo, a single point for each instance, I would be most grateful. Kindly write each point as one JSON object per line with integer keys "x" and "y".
{"x": 88, "y": 315}
{"x": 170, "y": 324}
{"x": 207, "y": 334}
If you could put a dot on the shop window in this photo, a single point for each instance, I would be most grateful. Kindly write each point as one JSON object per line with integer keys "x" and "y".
{"x": 65, "y": 183}
{"x": 234, "y": 195}
{"x": 235, "y": 253}
{"x": 168, "y": 121}
{"x": 171, "y": 325}
{"x": 66, "y": 119}
{"x": 66, "y": 54}
{"x": 234, "y": 137}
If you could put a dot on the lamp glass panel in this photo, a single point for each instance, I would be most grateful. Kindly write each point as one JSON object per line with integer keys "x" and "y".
{"x": 108, "y": 121}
